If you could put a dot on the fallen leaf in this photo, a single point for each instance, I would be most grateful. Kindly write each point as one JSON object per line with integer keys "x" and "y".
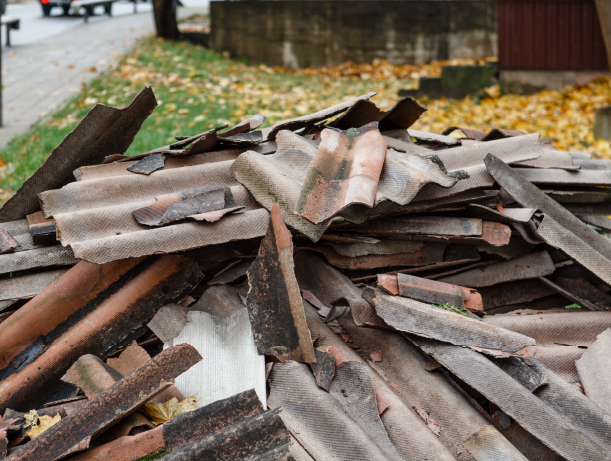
{"x": 45, "y": 422}
{"x": 162, "y": 412}
{"x": 31, "y": 418}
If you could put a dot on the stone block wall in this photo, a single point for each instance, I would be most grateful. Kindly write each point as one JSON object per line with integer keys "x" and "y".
{"x": 306, "y": 33}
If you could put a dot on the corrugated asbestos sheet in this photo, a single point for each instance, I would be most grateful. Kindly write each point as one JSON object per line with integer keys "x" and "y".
{"x": 550, "y": 35}
{"x": 389, "y": 294}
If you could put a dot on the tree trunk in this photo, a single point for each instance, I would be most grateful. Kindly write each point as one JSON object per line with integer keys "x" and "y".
{"x": 604, "y": 16}
{"x": 165, "y": 19}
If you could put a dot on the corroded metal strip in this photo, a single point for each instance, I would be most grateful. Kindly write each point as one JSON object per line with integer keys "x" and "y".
{"x": 104, "y": 130}
{"x": 90, "y": 310}
{"x": 527, "y": 267}
{"x": 111, "y": 406}
{"x": 434, "y": 292}
{"x": 411, "y": 316}
{"x": 274, "y": 300}
{"x": 148, "y": 164}
{"x": 183, "y": 430}
{"x": 345, "y": 171}
{"x": 7, "y": 243}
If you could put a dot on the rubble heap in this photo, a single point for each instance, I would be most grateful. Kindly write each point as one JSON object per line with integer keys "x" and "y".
{"x": 334, "y": 287}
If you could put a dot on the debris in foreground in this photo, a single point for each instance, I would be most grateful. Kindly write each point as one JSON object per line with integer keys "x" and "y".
{"x": 336, "y": 286}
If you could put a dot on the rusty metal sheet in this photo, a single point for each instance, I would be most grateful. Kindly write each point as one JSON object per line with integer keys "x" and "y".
{"x": 572, "y": 328}
{"x": 260, "y": 437}
{"x": 400, "y": 116}
{"x": 483, "y": 446}
{"x": 602, "y": 221}
{"x": 104, "y": 130}
{"x": 110, "y": 406}
{"x": 509, "y": 293}
{"x": 148, "y": 164}
{"x": 428, "y": 254}
{"x": 551, "y": 159}
{"x": 433, "y": 292}
{"x": 594, "y": 368}
{"x": 562, "y": 431}
{"x": 174, "y": 207}
{"x": 274, "y": 300}
{"x": 323, "y": 368}
{"x": 344, "y": 173}
{"x": 7, "y": 243}
{"x": 29, "y": 285}
{"x": 310, "y": 119}
{"x": 231, "y": 357}
{"x": 422, "y": 319}
{"x": 405, "y": 428}
{"x": 527, "y": 267}
{"x": 73, "y": 317}
{"x": 320, "y": 421}
{"x": 561, "y": 177}
{"x": 559, "y": 228}
{"x": 232, "y": 272}
{"x": 181, "y": 431}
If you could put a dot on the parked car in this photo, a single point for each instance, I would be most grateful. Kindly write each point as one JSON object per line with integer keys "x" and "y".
{"x": 48, "y": 4}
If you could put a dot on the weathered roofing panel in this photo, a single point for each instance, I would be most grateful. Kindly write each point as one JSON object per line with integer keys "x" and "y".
{"x": 594, "y": 368}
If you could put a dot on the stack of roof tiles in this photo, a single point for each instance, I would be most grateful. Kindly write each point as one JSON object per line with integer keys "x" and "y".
{"x": 334, "y": 287}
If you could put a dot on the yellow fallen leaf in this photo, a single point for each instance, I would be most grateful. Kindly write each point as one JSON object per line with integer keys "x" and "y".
{"x": 162, "y": 412}
{"x": 45, "y": 422}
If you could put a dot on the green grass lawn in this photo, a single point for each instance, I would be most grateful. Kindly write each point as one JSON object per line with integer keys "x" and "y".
{"x": 196, "y": 88}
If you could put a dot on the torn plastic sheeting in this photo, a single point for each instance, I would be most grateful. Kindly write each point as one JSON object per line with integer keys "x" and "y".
{"x": 435, "y": 292}
{"x": 104, "y": 129}
{"x": 7, "y": 243}
{"x": 559, "y": 227}
{"x": 174, "y": 207}
{"x": 405, "y": 366}
{"x": 274, "y": 299}
{"x": 261, "y": 437}
{"x": 410, "y": 316}
{"x": 36, "y": 258}
{"x": 483, "y": 447}
{"x": 594, "y": 368}
{"x": 183, "y": 430}
{"x": 343, "y": 423}
{"x": 344, "y": 173}
{"x": 231, "y": 363}
{"x": 29, "y": 285}
{"x": 178, "y": 237}
{"x": 310, "y": 119}
{"x": 428, "y": 254}
{"x": 74, "y": 315}
{"x": 527, "y": 267}
{"x": 563, "y": 435}
{"x": 114, "y": 404}
{"x": 400, "y": 116}
{"x": 385, "y": 247}
{"x": 555, "y": 176}
{"x": 148, "y": 164}
{"x": 418, "y": 442}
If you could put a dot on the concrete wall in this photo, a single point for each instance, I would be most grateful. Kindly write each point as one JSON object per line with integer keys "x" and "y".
{"x": 326, "y": 33}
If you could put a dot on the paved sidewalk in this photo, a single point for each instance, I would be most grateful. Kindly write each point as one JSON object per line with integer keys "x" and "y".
{"x": 39, "y": 77}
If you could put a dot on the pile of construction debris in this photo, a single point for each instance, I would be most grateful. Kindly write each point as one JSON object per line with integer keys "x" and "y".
{"x": 333, "y": 287}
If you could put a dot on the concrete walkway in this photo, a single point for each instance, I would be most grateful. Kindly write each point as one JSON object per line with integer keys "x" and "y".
{"x": 39, "y": 77}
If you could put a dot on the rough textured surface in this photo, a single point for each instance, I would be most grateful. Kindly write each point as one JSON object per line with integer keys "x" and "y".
{"x": 483, "y": 447}
{"x": 594, "y": 368}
